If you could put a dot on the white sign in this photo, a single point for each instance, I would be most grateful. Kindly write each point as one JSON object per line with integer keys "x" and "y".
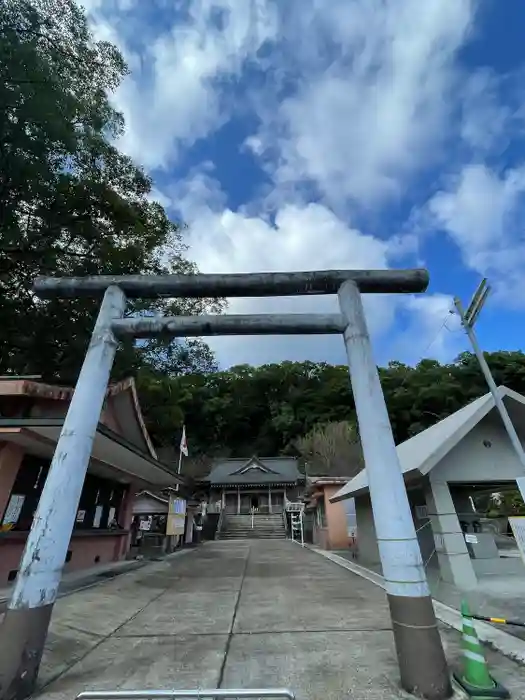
{"x": 80, "y": 516}
{"x": 98, "y": 516}
{"x": 111, "y": 516}
{"x": 13, "y": 510}
{"x": 145, "y": 525}
{"x": 421, "y": 512}
{"x": 439, "y": 541}
{"x": 470, "y": 538}
{"x": 518, "y": 528}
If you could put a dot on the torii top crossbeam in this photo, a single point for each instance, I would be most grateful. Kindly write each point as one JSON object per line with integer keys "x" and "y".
{"x": 261, "y": 284}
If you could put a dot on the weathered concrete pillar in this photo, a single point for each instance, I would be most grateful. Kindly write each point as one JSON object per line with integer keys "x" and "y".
{"x": 24, "y": 629}
{"x": 455, "y": 564}
{"x": 422, "y": 662}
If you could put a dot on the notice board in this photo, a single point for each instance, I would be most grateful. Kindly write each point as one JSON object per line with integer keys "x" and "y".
{"x": 176, "y": 516}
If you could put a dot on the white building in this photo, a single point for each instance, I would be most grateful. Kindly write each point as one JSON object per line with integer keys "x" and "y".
{"x": 466, "y": 453}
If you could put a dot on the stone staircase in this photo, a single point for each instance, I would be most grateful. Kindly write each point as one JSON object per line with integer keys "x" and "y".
{"x": 266, "y": 526}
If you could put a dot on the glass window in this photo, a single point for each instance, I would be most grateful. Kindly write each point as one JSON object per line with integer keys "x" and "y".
{"x": 98, "y": 499}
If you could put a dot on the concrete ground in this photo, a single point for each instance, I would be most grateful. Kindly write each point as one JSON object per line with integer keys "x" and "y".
{"x": 76, "y": 580}
{"x": 495, "y": 596}
{"x": 234, "y": 614}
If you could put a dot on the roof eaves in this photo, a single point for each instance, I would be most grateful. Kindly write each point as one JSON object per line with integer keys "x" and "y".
{"x": 457, "y": 435}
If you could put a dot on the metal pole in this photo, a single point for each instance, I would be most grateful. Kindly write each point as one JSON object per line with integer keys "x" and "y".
{"x": 421, "y": 658}
{"x": 24, "y": 629}
{"x": 509, "y": 427}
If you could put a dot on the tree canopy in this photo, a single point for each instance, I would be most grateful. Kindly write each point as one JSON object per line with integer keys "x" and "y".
{"x": 267, "y": 410}
{"x": 70, "y": 202}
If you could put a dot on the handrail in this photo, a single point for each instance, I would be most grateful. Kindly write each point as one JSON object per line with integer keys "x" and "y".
{"x": 219, "y": 523}
{"x": 285, "y": 521}
{"x": 209, "y": 693}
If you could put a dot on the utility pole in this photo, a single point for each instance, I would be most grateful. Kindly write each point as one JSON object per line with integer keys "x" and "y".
{"x": 468, "y": 319}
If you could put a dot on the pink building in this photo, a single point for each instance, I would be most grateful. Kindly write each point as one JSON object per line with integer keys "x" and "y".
{"x": 123, "y": 462}
{"x": 329, "y": 521}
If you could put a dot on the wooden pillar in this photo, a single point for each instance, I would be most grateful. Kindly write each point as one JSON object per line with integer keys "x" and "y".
{"x": 11, "y": 457}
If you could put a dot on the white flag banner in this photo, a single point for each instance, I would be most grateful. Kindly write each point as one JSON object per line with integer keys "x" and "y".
{"x": 183, "y": 443}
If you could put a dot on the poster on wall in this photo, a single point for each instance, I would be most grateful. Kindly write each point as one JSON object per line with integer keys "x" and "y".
{"x": 178, "y": 506}
{"x": 517, "y": 524}
{"x": 145, "y": 525}
{"x": 175, "y": 524}
{"x": 81, "y": 514}
{"x": 98, "y": 516}
{"x": 13, "y": 510}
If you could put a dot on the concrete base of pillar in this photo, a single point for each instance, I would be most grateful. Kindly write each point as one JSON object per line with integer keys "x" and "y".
{"x": 22, "y": 637}
{"x": 421, "y": 658}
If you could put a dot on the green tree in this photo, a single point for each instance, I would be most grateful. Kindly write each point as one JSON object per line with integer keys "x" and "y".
{"x": 331, "y": 450}
{"x": 70, "y": 202}
{"x": 266, "y": 410}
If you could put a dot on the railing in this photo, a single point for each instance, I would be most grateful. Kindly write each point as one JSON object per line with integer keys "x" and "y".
{"x": 285, "y": 522}
{"x": 294, "y": 507}
{"x": 219, "y": 524}
{"x": 296, "y": 524}
{"x": 213, "y": 693}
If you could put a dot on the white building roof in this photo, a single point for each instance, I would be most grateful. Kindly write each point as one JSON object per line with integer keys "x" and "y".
{"x": 420, "y": 453}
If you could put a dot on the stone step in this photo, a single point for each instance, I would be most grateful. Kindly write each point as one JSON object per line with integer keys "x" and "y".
{"x": 255, "y": 529}
{"x": 263, "y": 519}
{"x": 256, "y": 526}
{"x": 252, "y": 537}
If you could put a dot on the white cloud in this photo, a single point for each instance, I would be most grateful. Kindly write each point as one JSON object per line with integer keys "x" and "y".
{"x": 174, "y": 96}
{"x": 299, "y": 237}
{"x": 357, "y": 98}
{"x": 485, "y": 119}
{"x": 360, "y": 126}
{"x": 434, "y": 329}
{"x": 482, "y": 212}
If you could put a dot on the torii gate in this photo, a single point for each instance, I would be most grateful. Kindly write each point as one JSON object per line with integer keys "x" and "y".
{"x": 422, "y": 662}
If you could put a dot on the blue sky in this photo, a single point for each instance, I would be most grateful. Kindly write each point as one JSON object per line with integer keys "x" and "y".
{"x": 314, "y": 134}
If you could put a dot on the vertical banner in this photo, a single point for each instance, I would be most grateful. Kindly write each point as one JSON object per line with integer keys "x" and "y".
{"x": 176, "y": 516}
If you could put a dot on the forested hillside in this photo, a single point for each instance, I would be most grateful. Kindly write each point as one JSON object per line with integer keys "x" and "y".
{"x": 265, "y": 410}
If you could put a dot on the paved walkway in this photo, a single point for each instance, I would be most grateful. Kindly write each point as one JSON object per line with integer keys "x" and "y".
{"x": 233, "y": 614}
{"x": 496, "y": 595}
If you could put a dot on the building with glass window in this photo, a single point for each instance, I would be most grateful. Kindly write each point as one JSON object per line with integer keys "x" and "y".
{"x": 123, "y": 462}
